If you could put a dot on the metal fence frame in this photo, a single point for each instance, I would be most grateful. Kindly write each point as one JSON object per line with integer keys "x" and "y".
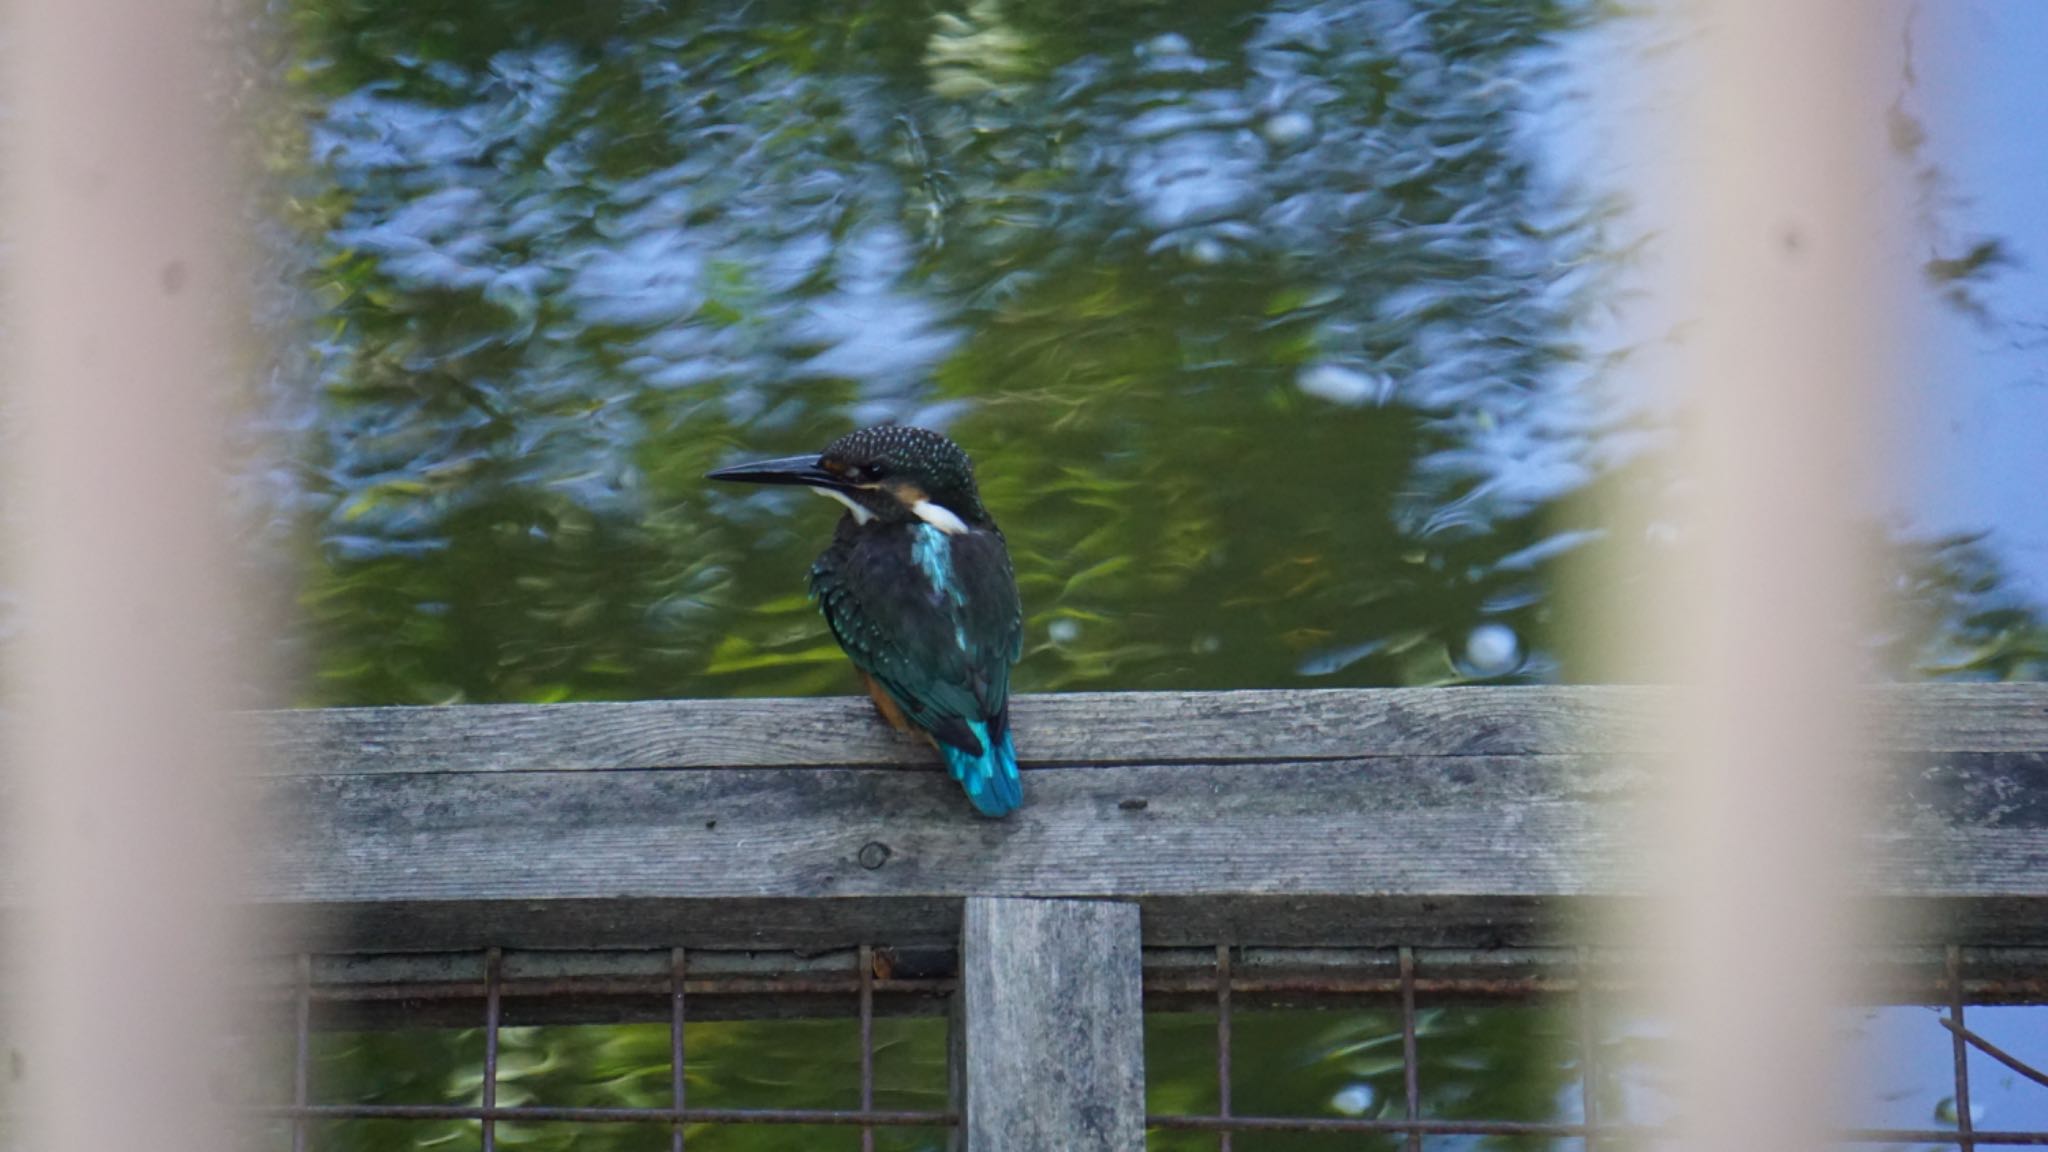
{"x": 1951, "y": 976}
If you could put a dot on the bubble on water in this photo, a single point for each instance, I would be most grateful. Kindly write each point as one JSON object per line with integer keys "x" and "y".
{"x": 1945, "y": 1111}
{"x": 1208, "y": 644}
{"x": 1337, "y": 384}
{"x": 1492, "y": 649}
{"x": 1288, "y": 128}
{"x": 1169, "y": 44}
{"x": 1353, "y": 1100}
{"x": 1064, "y": 630}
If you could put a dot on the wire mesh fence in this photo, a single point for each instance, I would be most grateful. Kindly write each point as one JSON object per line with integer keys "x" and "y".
{"x": 602, "y": 993}
{"x": 1380, "y": 1013}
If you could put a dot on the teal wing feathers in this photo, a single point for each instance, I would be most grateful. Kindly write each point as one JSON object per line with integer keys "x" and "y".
{"x": 939, "y": 636}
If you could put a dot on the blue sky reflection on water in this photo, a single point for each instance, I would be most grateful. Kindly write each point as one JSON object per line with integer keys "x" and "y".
{"x": 1982, "y": 409}
{"x": 1907, "y": 1069}
{"x": 1901, "y": 1069}
{"x": 1969, "y": 428}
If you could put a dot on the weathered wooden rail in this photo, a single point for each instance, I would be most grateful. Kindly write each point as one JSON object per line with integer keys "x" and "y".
{"x": 504, "y": 865}
{"x": 1473, "y": 817}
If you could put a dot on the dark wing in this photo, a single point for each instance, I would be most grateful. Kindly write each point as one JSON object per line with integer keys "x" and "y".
{"x": 944, "y": 656}
{"x": 991, "y": 613}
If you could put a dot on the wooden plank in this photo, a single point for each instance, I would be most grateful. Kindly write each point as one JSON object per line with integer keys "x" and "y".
{"x": 513, "y": 844}
{"x": 770, "y": 852}
{"x": 1961, "y": 717}
{"x": 1428, "y": 851}
{"x": 1076, "y": 729}
{"x": 1069, "y": 729}
{"x": 1050, "y": 1026}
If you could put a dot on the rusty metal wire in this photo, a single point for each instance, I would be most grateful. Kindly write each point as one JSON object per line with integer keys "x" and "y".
{"x": 1637, "y": 1132}
{"x": 866, "y": 960}
{"x": 1406, "y": 979}
{"x": 679, "y": 962}
{"x": 302, "y": 1044}
{"x": 679, "y": 1114}
{"x": 1996, "y": 1053}
{"x": 1223, "y": 1042}
{"x": 1411, "y": 1062}
{"x": 1589, "y": 1051}
{"x": 1413, "y": 1127}
{"x": 1953, "y": 967}
{"x": 493, "y": 967}
{"x": 545, "y": 1113}
{"x": 1990, "y": 976}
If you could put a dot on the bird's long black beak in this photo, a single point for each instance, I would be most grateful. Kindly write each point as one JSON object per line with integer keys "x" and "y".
{"x": 804, "y": 470}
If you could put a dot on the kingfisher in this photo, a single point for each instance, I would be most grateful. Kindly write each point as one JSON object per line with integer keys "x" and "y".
{"x": 917, "y": 588}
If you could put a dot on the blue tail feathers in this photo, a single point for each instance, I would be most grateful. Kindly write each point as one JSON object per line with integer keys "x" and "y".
{"x": 991, "y": 780}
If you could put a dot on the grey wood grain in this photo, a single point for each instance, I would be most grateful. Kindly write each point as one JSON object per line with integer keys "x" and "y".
{"x": 1076, "y": 729}
{"x": 1050, "y": 1055}
{"x": 1453, "y": 817}
{"x": 1421, "y": 850}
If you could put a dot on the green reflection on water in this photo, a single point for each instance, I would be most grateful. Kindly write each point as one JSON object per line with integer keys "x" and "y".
{"x": 1491, "y": 1062}
{"x": 1219, "y": 298}
{"x": 1488, "y": 1062}
{"x": 813, "y": 1064}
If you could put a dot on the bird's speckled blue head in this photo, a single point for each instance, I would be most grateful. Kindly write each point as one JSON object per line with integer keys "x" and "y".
{"x": 891, "y": 473}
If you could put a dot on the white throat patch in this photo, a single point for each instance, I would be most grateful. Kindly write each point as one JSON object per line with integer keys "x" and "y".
{"x": 860, "y": 514}
{"x": 939, "y": 517}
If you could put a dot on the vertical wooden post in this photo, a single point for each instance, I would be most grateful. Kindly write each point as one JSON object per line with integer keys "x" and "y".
{"x": 125, "y": 311}
{"x": 1782, "y": 266}
{"x": 1049, "y": 1030}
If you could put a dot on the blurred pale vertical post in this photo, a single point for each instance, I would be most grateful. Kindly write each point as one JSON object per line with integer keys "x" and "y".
{"x": 122, "y": 292}
{"x": 1779, "y": 259}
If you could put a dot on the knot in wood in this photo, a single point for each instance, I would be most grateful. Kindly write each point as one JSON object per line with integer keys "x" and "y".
{"x": 873, "y": 855}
